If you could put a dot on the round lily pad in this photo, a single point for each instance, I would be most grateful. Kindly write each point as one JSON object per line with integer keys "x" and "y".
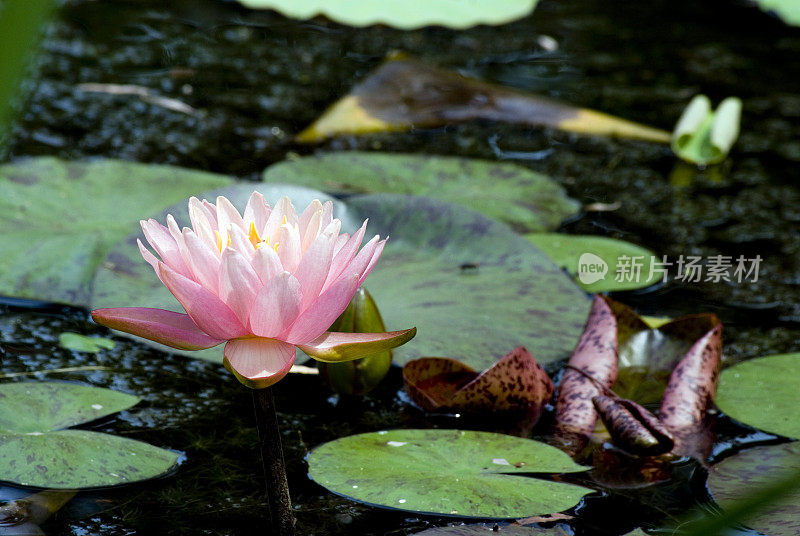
{"x": 735, "y": 479}
{"x": 618, "y": 265}
{"x": 526, "y": 200}
{"x": 763, "y": 393}
{"x": 60, "y": 219}
{"x": 407, "y": 15}
{"x": 474, "y": 288}
{"x": 36, "y": 451}
{"x": 72, "y": 459}
{"x": 483, "y": 529}
{"x": 30, "y": 407}
{"x": 415, "y": 470}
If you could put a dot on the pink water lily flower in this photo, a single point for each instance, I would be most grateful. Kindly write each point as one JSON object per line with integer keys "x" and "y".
{"x": 263, "y": 283}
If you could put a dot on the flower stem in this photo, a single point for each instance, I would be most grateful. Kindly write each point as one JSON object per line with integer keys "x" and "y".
{"x": 269, "y": 439}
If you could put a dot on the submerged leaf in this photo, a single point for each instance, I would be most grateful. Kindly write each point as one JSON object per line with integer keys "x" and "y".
{"x": 515, "y": 384}
{"x": 763, "y": 393}
{"x": 705, "y": 137}
{"x": 361, "y": 375}
{"x": 403, "y": 93}
{"x": 526, "y": 200}
{"x": 407, "y": 15}
{"x": 446, "y": 472}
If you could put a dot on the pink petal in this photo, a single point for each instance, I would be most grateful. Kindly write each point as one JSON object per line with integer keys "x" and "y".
{"x": 227, "y": 216}
{"x": 359, "y": 264}
{"x": 201, "y": 224}
{"x": 203, "y": 306}
{"x": 320, "y": 314}
{"x": 313, "y": 269}
{"x": 276, "y": 306}
{"x": 203, "y": 262}
{"x": 162, "y": 241}
{"x": 165, "y": 327}
{"x": 289, "y": 247}
{"x": 241, "y": 243}
{"x": 266, "y": 263}
{"x": 327, "y": 214}
{"x": 149, "y": 257}
{"x": 310, "y": 230}
{"x": 283, "y": 208}
{"x": 375, "y": 256}
{"x": 345, "y": 255}
{"x": 258, "y": 363}
{"x": 311, "y": 213}
{"x": 238, "y": 284}
{"x": 256, "y": 211}
{"x": 211, "y": 213}
{"x": 332, "y": 347}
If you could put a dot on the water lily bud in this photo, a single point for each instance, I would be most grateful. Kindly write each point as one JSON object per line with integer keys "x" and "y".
{"x": 632, "y": 427}
{"x": 359, "y": 376}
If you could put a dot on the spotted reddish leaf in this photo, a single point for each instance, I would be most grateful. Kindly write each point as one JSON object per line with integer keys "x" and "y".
{"x": 632, "y": 427}
{"x": 516, "y": 383}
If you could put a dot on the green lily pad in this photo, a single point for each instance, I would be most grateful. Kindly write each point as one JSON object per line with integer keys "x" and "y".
{"x": 763, "y": 393}
{"x": 406, "y": 15}
{"x": 734, "y": 479}
{"x": 82, "y": 343}
{"x": 72, "y": 459}
{"x": 483, "y": 529}
{"x": 526, "y": 200}
{"x": 788, "y": 10}
{"x": 35, "y": 450}
{"x": 29, "y": 407}
{"x": 598, "y": 263}
{"x": 474, "y": 288}
{"x": 705, "y": 137}
{"x": 60, "y": 219}
{"x": 415, "y": 470}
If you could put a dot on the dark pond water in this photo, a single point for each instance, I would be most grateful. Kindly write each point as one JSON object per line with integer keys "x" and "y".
{"x": 257, "y": 79}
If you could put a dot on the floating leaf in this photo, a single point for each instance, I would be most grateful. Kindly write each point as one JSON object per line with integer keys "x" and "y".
{"x": 60, "y": 218}
{"x": 358, "y": 376}
{"x": 763, "y": 393}
{"x": 29, "y": 407}
{"x": 407, "y": 15}
{"x": 526, "y": 200}
{"x": 403, "y": 93}
{"x": 788, "y": 10}
{"x": 705, "y": 137}
{"x": 415, "y": 470}
{"x": 22, "y": 516}
{"x": 35, "y": 451}
{"x": 734, "y": 479}
{"x": 598, "y": 263}
{"x": 516, "y": 384}
{"x": 470, "y": 284}
{"x": 82, "y": 343}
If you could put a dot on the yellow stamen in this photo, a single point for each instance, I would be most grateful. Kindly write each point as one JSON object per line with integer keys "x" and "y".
{"x": 219, "y": 241}
{"x": 252, "y": 234}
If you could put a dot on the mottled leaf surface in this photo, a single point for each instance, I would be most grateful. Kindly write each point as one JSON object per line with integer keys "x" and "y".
{"x": 72, "y": 459}
{"x": 526, "y": 200}
{"x": 416, "y": 470}
{"x": 735, "y": 478}
{"x": 472, "y": 286}
{"x": 60, "y": 219}
{"x": 628, "y": 266}
{"x": 484, "y": 529}
{"x": 763, "y": 393}
{"x": 29, "y": 407}
{"x": 36, "y": 451}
